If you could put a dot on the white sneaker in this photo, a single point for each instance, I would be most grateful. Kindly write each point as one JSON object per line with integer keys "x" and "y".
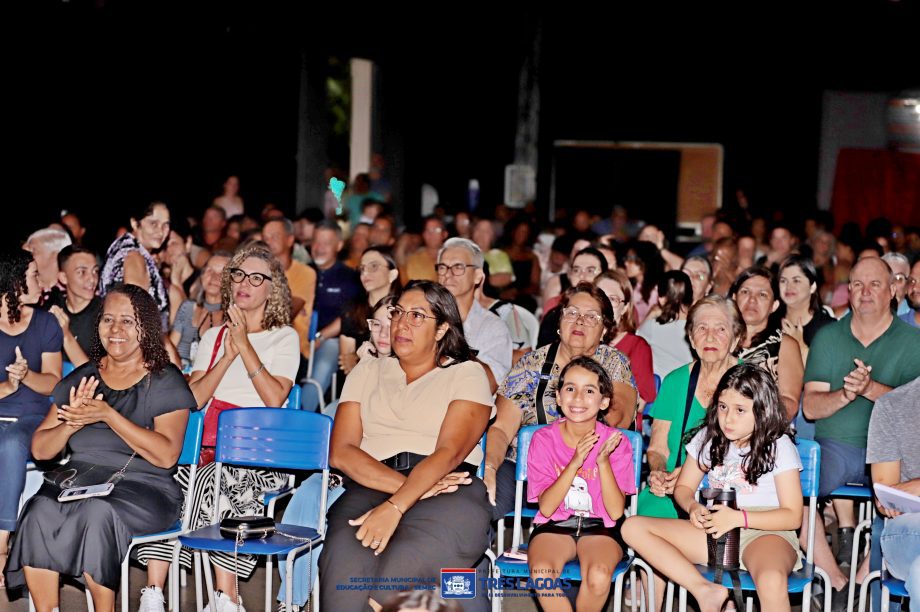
{"x": 283, "y": 608}
{"x": 225, "y": 604}
{"x": 152, "y": 600}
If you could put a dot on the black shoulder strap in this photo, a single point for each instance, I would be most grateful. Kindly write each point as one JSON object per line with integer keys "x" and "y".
{"x": 498, "y": 304}
{"x": 545, "y": 375}
{"x": 691, "y": 391}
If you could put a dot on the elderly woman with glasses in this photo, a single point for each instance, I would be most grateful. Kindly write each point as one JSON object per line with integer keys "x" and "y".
{"x": 406, "y": 437}
{"x": 250, "y": 361}
{"x": 528, "y": 394}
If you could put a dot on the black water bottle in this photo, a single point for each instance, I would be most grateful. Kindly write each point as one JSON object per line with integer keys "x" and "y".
{"x": 724, "y": 552}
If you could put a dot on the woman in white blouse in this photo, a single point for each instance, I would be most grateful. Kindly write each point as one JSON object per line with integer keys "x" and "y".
{"x": 250, "y": 361}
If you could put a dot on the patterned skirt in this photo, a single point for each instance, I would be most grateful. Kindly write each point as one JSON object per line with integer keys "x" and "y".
{"x": 241, "y": 493}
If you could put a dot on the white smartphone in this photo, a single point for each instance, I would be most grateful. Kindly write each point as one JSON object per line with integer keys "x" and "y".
{"x": 100, "y": 490}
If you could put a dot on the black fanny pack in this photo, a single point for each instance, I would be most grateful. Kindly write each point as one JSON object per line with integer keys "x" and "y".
{"x": 246, "y": 527}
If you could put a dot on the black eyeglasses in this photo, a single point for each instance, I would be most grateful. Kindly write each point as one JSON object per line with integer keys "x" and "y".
{"x": 255, "y": 278}
{"x": 458, "y": 269}
{"x": 415, "y": 317}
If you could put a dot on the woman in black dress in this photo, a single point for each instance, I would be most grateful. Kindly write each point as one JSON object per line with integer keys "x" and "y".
{"x": 125, "y": 410}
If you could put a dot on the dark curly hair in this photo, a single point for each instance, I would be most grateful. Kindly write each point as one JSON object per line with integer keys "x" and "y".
{"x": 13, "y": 266}
{"x": 444, "y": 308}
{"x": 770, "y": 424}
{"x": 148, "y": 328}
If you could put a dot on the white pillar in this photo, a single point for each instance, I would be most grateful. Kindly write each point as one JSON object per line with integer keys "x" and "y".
{"x": 361, "y": 113}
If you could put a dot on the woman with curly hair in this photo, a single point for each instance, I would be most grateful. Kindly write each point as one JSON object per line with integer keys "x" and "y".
{"x": 251, "y": 360}
{"x": 123, "y": 416}
{"x": 30, "y": 352}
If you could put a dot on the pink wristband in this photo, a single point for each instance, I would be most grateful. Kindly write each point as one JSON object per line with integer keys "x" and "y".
{"x": 744, "y": 512}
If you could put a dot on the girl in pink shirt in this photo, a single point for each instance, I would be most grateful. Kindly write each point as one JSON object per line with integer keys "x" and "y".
{"x": 579, "y": 472}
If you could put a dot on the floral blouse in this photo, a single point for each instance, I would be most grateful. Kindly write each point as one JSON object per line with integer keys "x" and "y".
{"x": 522, "y": 381}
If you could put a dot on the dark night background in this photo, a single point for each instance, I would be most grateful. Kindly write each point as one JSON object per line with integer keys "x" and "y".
{"x": 117, "y": 102}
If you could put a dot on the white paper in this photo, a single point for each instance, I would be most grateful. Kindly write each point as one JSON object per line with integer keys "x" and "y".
{"x": 897, "y": 499}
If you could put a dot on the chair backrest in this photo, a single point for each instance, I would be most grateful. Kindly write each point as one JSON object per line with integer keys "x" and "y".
{"x": 274, "y": 438}
{"x": 481, "y": 470}
{"x": 314, "y": 325}
{"x": 66, "y": 368}
{"x": 657, "y": 383}
{"x": 191, "y": 445}
{"x": 293, "y": 400}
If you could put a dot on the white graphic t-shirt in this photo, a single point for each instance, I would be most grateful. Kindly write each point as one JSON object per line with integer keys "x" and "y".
{"x": 731, "y": 474}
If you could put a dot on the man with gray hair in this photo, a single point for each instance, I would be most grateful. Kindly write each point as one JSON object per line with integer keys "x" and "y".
{"x": 45, "y": 244}
{"x": 900, "y": 269}
{"x": 459, "y": 269}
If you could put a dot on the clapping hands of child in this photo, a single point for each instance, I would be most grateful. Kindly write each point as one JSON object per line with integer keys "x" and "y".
{"x": 609, "y": 446}
{"x": 583, "y": 448}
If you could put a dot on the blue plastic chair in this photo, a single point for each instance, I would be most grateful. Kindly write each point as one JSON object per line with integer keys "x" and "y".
{"x": 276, "y": 439}
{"x": 801, "y": 580}
{"x": 890, "y": 586}
{"x": 309, "y": 380}
{"x": 191, "y": 449}
{"x": 518, "y": 568}
{"x": 293, "y": 400}
{"x": 66, "y": 368}
{"x": 862, "y": 496}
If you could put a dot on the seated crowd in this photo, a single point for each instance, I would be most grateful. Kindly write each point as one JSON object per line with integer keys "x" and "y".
{"x": 722, "y": 355}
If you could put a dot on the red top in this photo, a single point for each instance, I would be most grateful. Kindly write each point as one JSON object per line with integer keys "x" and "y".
{"x": 640, "y": 359}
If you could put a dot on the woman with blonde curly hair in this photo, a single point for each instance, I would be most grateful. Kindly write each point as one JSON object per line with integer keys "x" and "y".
{"x": 250, "y": 361}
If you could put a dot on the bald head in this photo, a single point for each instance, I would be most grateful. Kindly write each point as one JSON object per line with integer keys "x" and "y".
{"x": 876, "y": 264}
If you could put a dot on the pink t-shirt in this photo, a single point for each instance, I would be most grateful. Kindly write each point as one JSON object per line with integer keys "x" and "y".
{"x": 548, "y": 457}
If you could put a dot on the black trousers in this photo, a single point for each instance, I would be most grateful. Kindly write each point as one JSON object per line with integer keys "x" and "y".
{"x": 447, "y": 531}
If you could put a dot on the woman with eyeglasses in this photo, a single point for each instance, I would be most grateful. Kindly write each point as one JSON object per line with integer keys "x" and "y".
{"x": 379, "y": 276}
{"x": 616, "y": 287}
{"x": 757, "y": 295}
{"x": 130, "y": 260}
{"x": 406, "y": 436}
{"x": 528, "y": 394}
{"x": 251, "y": 360}
{"x": 699, "y": 270}
{"x": 302, "y": 509}
{"x": 586, "y": 265}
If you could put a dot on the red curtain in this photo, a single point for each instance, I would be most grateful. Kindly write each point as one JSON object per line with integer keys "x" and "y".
{"x": 872, "y": 183}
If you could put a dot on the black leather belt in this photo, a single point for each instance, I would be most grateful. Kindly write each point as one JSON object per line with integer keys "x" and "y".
{"x": 407, "y": 461}
{"x": 403, "y": 461}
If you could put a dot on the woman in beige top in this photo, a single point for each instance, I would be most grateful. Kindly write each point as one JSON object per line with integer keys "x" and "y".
{"x": 406, "y": 437}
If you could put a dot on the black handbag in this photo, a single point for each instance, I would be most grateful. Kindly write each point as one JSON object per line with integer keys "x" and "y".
{"x": 246, "y": 527}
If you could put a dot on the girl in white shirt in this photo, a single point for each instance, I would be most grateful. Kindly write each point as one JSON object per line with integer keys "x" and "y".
{"x": 742, "y": 444}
